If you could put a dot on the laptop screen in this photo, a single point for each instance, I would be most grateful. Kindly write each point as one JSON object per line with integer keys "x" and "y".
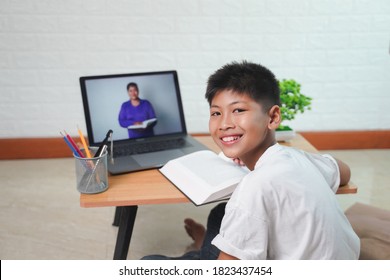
{"x": 134, "y": 106}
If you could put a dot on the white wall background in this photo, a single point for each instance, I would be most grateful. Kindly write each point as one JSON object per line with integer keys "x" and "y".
{"x": 338, "y": 51}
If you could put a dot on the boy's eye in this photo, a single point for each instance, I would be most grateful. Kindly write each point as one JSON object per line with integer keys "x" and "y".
{"x": 214, "y": 113}
{"x": 238, "y": 110}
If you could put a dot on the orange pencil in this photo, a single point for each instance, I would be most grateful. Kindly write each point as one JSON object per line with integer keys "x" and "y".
{"x": 84, "y": 143}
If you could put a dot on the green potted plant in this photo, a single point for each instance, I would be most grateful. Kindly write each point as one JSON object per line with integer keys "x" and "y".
{"x": 292, "y": 103}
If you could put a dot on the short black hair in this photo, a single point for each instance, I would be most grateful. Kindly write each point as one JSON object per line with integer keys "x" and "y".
{"x": 132, "y": 85}
{"x": 252, "y": 79}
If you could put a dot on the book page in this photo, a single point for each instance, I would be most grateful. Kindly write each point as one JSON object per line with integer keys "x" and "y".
{"x": 213, "y": 169}
{"x": 144, "y": 124}
{"x": 204, "y": 176}
{"x": 149, "y": 122}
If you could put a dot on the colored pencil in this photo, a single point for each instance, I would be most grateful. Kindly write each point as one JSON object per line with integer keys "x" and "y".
{"x": 84, "y": 143}
{"x": 74, "y": 145}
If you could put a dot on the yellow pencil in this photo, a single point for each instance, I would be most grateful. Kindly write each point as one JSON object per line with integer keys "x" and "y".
{"x": 84, "y": 143}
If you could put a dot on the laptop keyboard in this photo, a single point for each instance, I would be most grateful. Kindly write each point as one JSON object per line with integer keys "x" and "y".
{"x": 141, "y": 148}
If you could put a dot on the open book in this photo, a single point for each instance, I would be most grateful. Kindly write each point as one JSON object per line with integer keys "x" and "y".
{"x": 204, "y": 176}
{"x": 144, "y": 124}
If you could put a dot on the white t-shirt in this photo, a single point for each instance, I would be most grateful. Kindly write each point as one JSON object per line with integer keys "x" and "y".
{"x": 286, "y": 209}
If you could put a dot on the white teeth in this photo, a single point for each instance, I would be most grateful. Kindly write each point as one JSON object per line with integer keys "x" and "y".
{"x": 229, "y": 138}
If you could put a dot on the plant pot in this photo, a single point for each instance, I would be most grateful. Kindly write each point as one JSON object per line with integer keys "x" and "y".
{"x": 284, "y": 134}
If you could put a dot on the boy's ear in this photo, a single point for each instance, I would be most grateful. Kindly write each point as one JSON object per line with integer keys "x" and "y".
{"x": 274, "y": 117}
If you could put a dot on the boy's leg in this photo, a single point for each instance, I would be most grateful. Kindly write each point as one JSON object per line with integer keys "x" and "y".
{"x": 209, "y": 251}
{"x": 192, "y": 255}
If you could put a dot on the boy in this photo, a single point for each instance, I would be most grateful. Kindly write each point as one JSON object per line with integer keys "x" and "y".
{"x": 285, "y": 208}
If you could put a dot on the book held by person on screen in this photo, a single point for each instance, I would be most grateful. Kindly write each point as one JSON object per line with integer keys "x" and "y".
{"x": 204, "y": 176}
{"x": 144, "y": 124}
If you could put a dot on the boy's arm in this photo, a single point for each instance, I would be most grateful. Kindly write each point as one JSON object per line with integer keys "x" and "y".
{"x": 345, "y": 172}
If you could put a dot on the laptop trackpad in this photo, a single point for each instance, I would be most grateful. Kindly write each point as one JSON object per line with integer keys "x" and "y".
{"x": 157, "y": 158}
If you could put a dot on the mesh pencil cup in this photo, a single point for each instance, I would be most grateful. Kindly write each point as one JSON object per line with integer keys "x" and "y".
{"x": 91, "y": 173}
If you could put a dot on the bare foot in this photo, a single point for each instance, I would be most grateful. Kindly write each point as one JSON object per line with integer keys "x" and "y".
{"x": 196, "y": 231}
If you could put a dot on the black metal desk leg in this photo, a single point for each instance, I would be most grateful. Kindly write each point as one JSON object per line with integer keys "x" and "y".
{"x": 125, "y": 230}
{"x": 117, "y": 216}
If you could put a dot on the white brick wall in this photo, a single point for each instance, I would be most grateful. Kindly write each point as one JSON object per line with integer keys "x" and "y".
{"x": 337, "y": 50}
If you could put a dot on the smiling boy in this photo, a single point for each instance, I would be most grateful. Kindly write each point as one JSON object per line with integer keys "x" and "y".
{"x": 285, "y": 207}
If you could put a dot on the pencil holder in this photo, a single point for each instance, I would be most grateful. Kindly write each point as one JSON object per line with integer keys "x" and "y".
{"x": 91, "y": 173}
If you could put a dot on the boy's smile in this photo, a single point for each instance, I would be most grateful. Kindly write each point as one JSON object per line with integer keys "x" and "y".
{"x": 240, "y": 126}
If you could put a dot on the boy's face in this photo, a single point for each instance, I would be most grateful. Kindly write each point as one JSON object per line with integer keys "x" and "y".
{"x": 240, "y": 126}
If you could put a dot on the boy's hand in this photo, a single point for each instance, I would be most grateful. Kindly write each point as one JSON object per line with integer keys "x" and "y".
{"x": 235, "y": 160}
{"x": 239, "y": 162}
{"x": 345, "y": 172}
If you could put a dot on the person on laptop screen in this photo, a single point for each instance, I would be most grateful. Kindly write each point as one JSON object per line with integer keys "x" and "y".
{"x": 137, "y": 115}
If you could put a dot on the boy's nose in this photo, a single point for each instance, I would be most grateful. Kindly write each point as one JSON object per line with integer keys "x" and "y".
{"x": 226, "y": 123}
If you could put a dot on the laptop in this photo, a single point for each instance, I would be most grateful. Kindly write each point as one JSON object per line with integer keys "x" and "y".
{"x": 163, "y": 137}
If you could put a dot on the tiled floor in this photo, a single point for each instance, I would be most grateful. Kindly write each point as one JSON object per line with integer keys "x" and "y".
{"x": 40, "y": 216}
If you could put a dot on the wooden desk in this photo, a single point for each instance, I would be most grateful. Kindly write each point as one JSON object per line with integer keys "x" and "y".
{"x": 127, "y": 191}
